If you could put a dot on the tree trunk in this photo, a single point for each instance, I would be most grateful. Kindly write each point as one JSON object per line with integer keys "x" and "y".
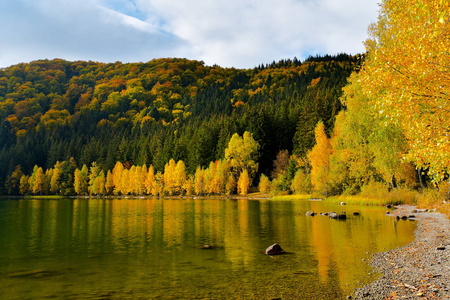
{"x": 419, "y": 173}
{"x": 393, "y": 183}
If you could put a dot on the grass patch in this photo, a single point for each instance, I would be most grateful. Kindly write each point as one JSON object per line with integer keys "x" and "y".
{"x": 44, "y": 197}
{"x": 436, "y": 198}
{"x": 360, "y": 200}
{"x": 291, "y": 197}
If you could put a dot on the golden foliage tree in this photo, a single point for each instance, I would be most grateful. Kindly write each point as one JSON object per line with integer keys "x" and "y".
{"x": 230, "y": 186}
{"x": 150, "y": 180}
{"x": 407, "y": 70}
{"x": 319, "y": 158}
{"x": 38, "y": 183}
{"x": 24, "y": 185}
{"x": 109, "y": 183}
{"x": 242, "y": 153}
{"x": 180, "y": 177}
{"x": 117, "y": 173}
{"x": 55, "y": 178}
{"x": 170, "y": 177}
{"x": 199, "y": 182}
{"x": 264, "y": 184}
{"x": 243, "y": 183}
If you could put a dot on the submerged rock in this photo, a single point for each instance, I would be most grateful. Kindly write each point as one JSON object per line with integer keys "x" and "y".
{"x": 356, "y": 213}
{"x": 275, "y": 249}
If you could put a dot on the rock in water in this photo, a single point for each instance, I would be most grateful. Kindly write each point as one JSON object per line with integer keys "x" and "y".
{"x": 310, "y": 213}
{"x": 333, "y": 215}
{"x": 275, "y": 249}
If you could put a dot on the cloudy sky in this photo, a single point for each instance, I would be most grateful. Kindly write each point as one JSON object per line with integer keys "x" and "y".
{"x": 238, "y": 33}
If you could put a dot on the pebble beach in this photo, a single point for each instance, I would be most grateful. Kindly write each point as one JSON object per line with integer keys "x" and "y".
{"x": 419, "y": 270}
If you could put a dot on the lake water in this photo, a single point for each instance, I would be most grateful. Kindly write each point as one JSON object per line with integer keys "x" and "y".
{"x": 153, "y": 248}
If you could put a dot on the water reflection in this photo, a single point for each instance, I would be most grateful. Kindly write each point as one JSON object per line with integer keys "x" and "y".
{"x": 153, "y": 247}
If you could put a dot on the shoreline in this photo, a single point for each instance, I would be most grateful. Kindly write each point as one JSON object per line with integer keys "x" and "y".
{"x": 420, "y": 269}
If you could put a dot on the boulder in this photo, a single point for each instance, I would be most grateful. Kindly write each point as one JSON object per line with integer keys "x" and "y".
{"x": 310, "y": 213}
{"x": 343, "y": 203}
{"x": 275, "y": 249}
{"x": 333, "y": 215}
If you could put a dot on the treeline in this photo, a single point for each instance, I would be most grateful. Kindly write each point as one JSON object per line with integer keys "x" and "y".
{"x": 232, "y": 174}
{"x": 148, "y": 113}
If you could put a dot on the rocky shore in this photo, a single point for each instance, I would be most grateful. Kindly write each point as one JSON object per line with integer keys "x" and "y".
{"x": 418, "y": 270}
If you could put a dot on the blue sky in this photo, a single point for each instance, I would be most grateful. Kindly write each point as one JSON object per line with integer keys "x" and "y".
{"x": 232, "y": 33}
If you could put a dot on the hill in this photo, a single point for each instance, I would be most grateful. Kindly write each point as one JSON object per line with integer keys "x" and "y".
{"x": 148, "y": 113}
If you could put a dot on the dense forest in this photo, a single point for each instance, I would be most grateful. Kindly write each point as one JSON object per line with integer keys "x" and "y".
{"x": 69, "y": 114}
{"x": 329, "y": 125}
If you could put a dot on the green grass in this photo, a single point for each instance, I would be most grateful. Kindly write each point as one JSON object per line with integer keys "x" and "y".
{"x": 43, "y": 197}
{"x": 291, "y": 197}
{"x": 362, "y": 200}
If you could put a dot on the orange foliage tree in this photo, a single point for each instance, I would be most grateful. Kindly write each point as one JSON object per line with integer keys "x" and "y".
{"x": 319, "y": 157}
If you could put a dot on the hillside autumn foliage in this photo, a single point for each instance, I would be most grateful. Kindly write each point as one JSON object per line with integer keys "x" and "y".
{"x": 149, "y": 113}
{"x": 328, "y": 125}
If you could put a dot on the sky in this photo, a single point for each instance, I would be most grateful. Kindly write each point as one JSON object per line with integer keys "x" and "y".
{"x": 231, "y": 33}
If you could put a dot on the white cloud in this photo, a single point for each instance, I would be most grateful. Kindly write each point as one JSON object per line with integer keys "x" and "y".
{"x": 77, "y": 29}
{"x": 246, "y": 33}
{"x": 240, "y": 33}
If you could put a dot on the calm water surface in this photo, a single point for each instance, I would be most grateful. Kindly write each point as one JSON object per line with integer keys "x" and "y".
{"x": 152, "y": 249}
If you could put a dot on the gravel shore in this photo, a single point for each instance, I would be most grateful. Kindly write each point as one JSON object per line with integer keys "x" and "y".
{"x": 420, "y": 269}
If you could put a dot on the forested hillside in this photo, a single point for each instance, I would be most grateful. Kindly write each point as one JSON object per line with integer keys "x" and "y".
{"x": 78, "y": 113}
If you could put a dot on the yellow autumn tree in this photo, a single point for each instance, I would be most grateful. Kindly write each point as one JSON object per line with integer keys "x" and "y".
{"x": 170, "y": 177}
{"x": 81, "y": 180}
{"x": 243, "y": 183}
{"x": 117, "y": 173}
{"x": 109, "y": 183}
{"x": 209, "y": 174}
{"x": 188, "y": 186}
{"x": 319, "y": 158}
{"x": 94, "y": 171}
{"x": 38, "y": 183}
{"x": 264, "y": 184}
{"x": 219, "y": 179}
{"x": 158, "y": 186}
{"x": 55, "y": 178}
{"x": 242, "y": 153}
{"x": 199, "y": 181}
{"x": 407, "y": 68}
{"x": 142, "y": 179}
{"x": 150, "y": 180}
{"x": 24, "y": 185}
{"x": 180, "y": 177}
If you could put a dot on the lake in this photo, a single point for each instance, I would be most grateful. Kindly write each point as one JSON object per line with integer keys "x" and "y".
{"x": 154, "y": 248}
